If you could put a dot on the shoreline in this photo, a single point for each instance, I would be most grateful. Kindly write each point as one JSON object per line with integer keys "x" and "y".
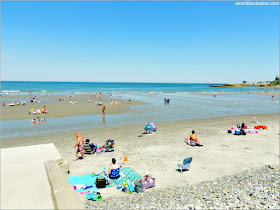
{"x": 222, "y": 155}
{"x": 64, "y": 108}
{"x": 89, "y": 130}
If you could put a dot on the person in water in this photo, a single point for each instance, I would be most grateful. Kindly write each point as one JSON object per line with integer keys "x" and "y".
{"x": 103, "y": 109}
{"x": 114, "y": 170}
{"x": 80, "y": 145}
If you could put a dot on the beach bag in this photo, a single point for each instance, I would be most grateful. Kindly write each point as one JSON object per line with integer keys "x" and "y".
{"x": 229, "y": 131}
{"x": 128, "y": 188}
{"x": 100, "y": 182}
{"x": 148, "y": 181}
{"x": 99, "y": 150}
{"x": 138, "y": 187}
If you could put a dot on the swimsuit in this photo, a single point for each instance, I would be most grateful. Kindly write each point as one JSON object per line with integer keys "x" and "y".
{"x": 81, "y": 149}
{"x": 115, "y": 173}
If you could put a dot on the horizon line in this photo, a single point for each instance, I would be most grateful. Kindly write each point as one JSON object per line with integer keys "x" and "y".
{"x": 116, "y": 82}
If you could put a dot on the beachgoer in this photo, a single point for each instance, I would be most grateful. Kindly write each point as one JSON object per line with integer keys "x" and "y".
{"x": 215, "y": 95}
{"x": 103, "y": 109}
{"x": 33, "y": 121}
{"x": 193, "y": 136}
{"x": 80, "y": 143}
{"x": 40, "y": 119}
{"x": 114, "y": 170}
{"x": 44, "y": 111}
{"x": 118, "y": 102}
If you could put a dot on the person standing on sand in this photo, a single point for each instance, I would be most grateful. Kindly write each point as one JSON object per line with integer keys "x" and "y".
{"x": 103, "y": 109}
{"x": 80, "y": 143}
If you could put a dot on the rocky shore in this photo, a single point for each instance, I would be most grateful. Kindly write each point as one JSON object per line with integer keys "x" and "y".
{"x": 254, "y": 188}
{"x": 247, "y": 86}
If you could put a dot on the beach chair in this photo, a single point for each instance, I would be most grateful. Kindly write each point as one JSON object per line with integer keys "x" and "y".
{"x": 154, "y": 126}
{"x": 109, "y": 145}
{"x": 89, "y": 148}
{"x": 148, "y": 129}
{"x": 186, "y": 164}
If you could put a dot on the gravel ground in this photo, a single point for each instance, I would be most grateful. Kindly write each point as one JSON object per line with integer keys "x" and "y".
{"x": 254, "y": 188}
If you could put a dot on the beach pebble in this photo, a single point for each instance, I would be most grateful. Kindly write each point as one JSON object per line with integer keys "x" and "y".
{"x": 254, "y": 188}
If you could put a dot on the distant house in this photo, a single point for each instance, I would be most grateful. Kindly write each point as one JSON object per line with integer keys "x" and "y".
{"x": 277, "y": 77}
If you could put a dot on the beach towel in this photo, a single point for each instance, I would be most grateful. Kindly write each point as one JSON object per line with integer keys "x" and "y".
{"x": 89, "y": 179}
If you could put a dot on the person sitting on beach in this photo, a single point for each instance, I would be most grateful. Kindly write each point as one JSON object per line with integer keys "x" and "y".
{"x": 114, "y": 170}
{"x": 71, "y": 102}
{"x": 80, "y": 143}
{"x": 100, "y": 103}
{"x": 193, "y": 136}
{"x": 17, "y": 103}
{"x": 76, "y": 102}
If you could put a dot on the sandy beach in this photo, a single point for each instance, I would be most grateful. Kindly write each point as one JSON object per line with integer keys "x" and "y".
{"x": 158, "y": 154}
{"x": 58, "y": 108}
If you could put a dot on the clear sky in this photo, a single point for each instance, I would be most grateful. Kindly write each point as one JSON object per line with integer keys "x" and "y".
{"x": 213, "y": 42}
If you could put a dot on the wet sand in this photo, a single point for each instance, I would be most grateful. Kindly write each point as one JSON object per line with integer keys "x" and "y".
{"x": 58, "y": 108}
{"x": 158, "y": 154}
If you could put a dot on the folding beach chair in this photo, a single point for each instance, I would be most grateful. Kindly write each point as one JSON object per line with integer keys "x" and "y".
{"x": 88, "y": 148}
{"x": 154, "y": 127}
{"x": 186, "y": 164}
{"x": 148, "y": 129}
{"x": 109, "y": 145}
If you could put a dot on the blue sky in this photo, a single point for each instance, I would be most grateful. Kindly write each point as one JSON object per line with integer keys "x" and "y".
{"x": 139, "y": 41}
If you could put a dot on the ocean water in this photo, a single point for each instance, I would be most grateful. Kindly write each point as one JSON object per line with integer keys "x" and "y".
{"x": 22, "y": 88}
{"x": 185, "y": 103}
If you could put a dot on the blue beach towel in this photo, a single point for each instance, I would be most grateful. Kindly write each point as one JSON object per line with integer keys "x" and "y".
{"x": 88, "y": 179}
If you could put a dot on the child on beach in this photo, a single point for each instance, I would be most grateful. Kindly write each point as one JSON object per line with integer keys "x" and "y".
{"x": 33, "y": 121}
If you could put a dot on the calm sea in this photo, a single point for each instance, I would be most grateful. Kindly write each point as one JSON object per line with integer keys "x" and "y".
{"x": 185, "y": 103}
{"x": 92, "y": 87}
